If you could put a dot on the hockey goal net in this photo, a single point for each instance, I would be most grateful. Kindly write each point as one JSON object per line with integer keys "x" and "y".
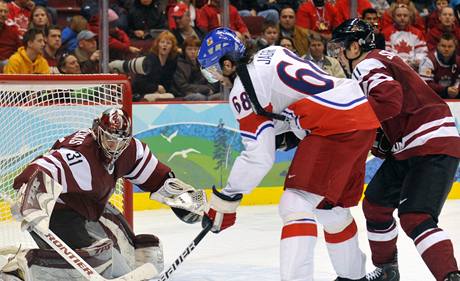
{"x": 35, "y": 111}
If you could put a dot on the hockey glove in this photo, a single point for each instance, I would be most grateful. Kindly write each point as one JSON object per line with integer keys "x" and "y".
{"x": 186, "y": 202}
{"x": 222, "y": 210}
{"x": 382, "y": 146}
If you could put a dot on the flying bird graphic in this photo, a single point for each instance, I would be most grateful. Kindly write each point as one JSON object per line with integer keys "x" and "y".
{"x": 184, "y": 153}
{"x": 170, "y": 137}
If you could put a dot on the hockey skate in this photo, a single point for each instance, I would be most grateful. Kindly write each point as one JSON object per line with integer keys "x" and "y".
{"x": 454, "y": 276}
{"x": 387, "y": 272}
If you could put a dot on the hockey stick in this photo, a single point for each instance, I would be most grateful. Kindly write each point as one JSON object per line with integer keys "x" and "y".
{"x": 207, "y": 225}
{"x": 144, "y": 272}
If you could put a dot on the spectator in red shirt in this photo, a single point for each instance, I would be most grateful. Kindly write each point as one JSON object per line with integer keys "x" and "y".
{"x": 183, "y": 28}
{"x": 19, "y": 14}
{"x": 119, "y": 43}
{"x": 191, "y": 6}
{"x": 10, "y": 39}
{"x": 209, "y": 18}
{"x": 433, "y": 18}
{"x": 319, "y": 16}
{"x": 416, "y": 20}
{"x": 446, "y": 24}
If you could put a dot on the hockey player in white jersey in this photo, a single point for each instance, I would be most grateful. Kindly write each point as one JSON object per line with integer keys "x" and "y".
{"x": 87, "y": 165}
{"x": 280, "y": 99}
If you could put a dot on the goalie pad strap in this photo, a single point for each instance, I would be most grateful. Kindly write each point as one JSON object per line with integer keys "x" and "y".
{"x": 146, "y": 240}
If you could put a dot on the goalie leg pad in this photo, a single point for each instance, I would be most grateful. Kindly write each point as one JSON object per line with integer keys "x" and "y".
{"x": 149, "y": 250}
{"x": 47, "y": 265}
{"x": 117, "y": 229}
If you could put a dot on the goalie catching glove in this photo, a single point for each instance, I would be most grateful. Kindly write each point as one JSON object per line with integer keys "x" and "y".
{"x": 186, "y": 202}
{"x": 222, "y": 210}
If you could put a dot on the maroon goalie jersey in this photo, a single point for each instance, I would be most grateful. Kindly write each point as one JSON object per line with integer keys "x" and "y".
{"x": 78, "y": 164}
{"x": 414, "y": 118}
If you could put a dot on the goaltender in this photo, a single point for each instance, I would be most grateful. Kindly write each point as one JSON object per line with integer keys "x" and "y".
{"x": 87, "y": 165}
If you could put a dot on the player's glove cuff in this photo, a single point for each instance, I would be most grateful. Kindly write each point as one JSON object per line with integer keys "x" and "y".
{"x": 222, "y": 210}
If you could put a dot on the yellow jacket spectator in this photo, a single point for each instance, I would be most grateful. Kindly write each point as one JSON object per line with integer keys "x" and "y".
{"x": 29, "y": 58}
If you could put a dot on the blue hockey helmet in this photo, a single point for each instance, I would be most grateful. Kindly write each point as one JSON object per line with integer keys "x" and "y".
{"x": 219, "y": 43}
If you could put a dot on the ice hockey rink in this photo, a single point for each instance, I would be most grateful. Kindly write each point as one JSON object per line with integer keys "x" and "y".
{"x": 249, "y": 250}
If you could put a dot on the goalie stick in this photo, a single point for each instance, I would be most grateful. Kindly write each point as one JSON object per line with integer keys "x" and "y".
{"x": 144, "y": 272}
{"x": 207, "y": 225}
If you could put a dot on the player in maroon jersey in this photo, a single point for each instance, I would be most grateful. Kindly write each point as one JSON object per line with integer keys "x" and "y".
{"x": 87, "y": 164}
{"x": 421, "y": 147}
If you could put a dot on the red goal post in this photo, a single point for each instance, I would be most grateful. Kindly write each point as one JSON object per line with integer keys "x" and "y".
{"x": 35, "y": 111}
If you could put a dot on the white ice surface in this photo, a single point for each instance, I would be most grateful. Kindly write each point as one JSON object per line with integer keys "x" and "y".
{"x": 249, "y": 250}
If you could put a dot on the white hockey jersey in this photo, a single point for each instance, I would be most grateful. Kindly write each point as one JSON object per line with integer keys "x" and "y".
{"x": 288, "y": 85}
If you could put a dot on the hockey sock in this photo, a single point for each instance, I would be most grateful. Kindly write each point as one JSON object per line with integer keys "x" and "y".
{"x": 431, "y": 242}
{"x": 343, "y": 247}
{"x": 382, "y": 232}
{"x": 298, "y": 240}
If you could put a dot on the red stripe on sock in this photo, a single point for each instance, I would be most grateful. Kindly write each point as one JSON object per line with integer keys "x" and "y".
{"x": 342, "y": 236}
{"x": 299, "y": 229}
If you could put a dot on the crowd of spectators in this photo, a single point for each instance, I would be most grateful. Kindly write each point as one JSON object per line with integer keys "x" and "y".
{"x": 166, "y": 35}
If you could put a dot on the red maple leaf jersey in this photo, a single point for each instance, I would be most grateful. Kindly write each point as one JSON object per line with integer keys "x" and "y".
{"x": 403, "y": 47}
{"x": 414, "y": 118}
{"x": 408, "y": 43}
{"x": 78, "y": 164}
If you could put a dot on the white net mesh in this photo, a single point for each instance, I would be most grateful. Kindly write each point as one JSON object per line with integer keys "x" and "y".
{"x": 33, "y": 115}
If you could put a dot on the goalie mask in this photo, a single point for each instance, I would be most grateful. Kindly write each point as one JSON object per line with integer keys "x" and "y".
{"x": 113, "y": 132}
